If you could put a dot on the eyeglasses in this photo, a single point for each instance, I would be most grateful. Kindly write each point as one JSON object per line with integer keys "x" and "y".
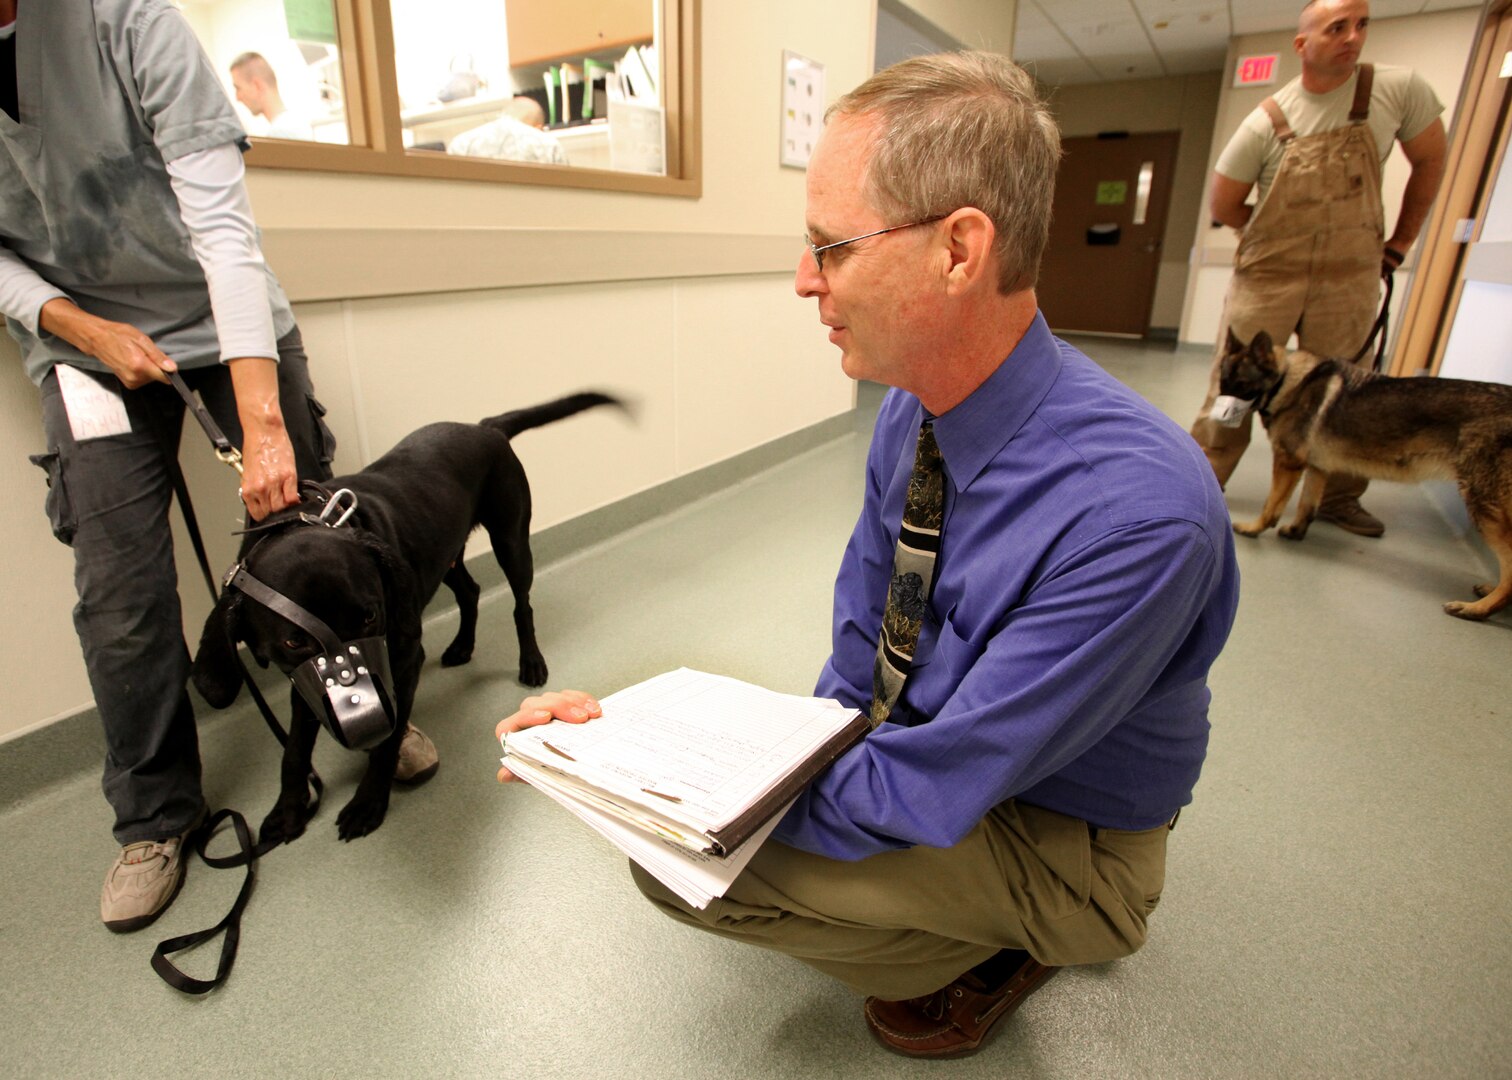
{"x": 818, "y": 252}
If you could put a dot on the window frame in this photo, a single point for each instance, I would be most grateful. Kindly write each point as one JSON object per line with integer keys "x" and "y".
{"x": 365, "y": 32}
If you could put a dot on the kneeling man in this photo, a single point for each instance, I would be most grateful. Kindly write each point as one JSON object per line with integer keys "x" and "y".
{"x": 1040, "y": 579}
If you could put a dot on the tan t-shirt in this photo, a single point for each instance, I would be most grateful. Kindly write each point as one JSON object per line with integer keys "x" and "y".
{"x": 1402, "y": 105}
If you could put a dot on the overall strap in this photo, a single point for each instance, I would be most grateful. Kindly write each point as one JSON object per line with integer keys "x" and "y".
{"x": 1359, "y": 111}
{"x": 1284, "y": 130}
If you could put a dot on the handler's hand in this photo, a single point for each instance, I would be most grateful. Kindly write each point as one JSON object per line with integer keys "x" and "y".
{"x": 125, "y": 350}
{"x": 573, "y": 706}
{"x": 132, "y": 355}
{"x": 269, "y": 479}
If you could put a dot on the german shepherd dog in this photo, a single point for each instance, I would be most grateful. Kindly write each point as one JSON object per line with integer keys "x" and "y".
{"x": 1327, "y": 415}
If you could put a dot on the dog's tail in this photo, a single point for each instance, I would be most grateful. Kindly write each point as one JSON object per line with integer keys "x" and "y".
{"x": 518, "y": 420}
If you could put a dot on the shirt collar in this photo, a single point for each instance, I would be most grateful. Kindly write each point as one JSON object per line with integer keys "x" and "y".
{"x": 971, "y": 434}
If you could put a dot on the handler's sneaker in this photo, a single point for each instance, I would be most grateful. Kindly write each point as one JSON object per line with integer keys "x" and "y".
{"x": 143, "y": 881}
{"x": 418, "y": 760}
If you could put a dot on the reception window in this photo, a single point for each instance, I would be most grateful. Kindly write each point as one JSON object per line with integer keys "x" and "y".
{"x": 579, "y": 93}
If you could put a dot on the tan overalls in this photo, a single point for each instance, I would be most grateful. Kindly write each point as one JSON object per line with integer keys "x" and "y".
{"x": 1309, "y": 260}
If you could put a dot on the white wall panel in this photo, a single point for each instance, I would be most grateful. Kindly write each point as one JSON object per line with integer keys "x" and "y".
{"x": 1480, "y": 344}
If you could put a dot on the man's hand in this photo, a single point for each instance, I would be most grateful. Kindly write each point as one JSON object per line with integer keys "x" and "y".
{"x": 128, "y": 352}
{"x": 1227, "y": 202}
{"x": 573, "y": 706}
{"x": 270, "y": 481}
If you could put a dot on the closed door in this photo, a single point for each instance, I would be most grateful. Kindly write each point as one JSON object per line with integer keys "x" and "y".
{"x": 1111, "y": 196}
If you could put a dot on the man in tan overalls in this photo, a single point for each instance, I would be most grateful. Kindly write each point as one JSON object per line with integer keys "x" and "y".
{"x": 1311, "y": 253}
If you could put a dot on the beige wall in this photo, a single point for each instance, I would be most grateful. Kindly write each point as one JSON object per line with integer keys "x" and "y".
{"x": 1436, "y": 45}
{"x": 1185, "y": 104}
{"x": 720, "y": 354}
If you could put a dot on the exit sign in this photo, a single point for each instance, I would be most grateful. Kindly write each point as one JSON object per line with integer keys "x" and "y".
{"x": 1256, "y": 70}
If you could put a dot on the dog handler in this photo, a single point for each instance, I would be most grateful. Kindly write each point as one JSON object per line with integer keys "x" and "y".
{"x": 127, "y": 249}
{"x": 1064, "y": 583}
{"x": 1310, "y": 255}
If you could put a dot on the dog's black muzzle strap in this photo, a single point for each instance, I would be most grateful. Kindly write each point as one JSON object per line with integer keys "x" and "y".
{"x": 280, "y": 604}
{"x": 341, "y": 685}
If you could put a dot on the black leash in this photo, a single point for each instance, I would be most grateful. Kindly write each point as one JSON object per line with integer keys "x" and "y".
{"x": 1378, "y": 331}
{"x": 247, "y": 852}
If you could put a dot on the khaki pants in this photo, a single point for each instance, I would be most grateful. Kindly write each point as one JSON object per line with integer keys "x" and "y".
{"x": 905, "y": 923}
{"x": 1309, "y": 260}
{"x": 1334, "y": 335}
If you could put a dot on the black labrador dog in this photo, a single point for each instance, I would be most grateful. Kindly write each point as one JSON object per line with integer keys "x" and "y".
{"x": 371, "y": 578}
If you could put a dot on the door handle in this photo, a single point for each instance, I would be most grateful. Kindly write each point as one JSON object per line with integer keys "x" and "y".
{"x": 1142, "y": 191}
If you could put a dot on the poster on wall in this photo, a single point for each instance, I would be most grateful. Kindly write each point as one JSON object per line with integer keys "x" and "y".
{"x": 802, "y": 108}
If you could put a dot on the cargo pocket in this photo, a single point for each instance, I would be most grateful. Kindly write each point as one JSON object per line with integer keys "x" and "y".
{"x": 60, "y": 511}
{"x": 325, "y": 440}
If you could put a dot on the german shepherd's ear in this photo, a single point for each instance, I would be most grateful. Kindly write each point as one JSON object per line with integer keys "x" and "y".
{"x": 1234, "y": 344}
{"x": 216, "y": 674}
{"x": 1262, "y": 349}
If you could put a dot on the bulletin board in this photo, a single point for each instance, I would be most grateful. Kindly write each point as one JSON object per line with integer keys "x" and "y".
{"x": 802, "y": 108}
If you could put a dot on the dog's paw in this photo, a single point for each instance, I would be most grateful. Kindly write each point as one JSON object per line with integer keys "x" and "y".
{"x": 284, "y": 823}
{"x": 457, "y": 654}
{"x": 533, "y": 670}
{"x": 360, "y": 817}
{"x": 1294, "y": 532}
{"x": 1461, "y": 610}
{"x": 1249, "y": 528}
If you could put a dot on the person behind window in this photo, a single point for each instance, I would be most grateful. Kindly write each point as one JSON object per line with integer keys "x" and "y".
{"x": 257, "y": 89}
{"x": 517, "y": 135}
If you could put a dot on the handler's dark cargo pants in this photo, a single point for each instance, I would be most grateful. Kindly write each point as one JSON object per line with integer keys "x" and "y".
{"x": 108, "y": 500}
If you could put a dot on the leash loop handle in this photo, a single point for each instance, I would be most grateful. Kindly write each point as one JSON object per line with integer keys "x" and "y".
{"x": 230, "y": 925}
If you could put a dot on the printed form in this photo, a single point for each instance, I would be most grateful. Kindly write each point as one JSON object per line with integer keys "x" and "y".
{"x": 675, "y": 758}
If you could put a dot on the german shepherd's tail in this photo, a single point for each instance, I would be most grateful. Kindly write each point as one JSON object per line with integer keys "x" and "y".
{"x": 518, "y": 420}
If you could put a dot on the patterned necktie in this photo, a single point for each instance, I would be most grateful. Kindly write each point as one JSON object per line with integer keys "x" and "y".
{"x": 913, "y": 574}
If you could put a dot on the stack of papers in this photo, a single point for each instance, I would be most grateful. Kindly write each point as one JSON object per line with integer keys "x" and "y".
{"x": 687, "y": 773}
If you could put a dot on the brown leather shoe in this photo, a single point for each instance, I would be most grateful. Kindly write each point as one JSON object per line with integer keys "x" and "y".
{"x": 952, "y": 1022}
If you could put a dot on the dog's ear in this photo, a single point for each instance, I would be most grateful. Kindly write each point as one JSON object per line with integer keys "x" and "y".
{"x": 401, "y": 594}
{"x": 1261, "y": 348}
{"x": 216, "y": 674}
{"x": 1234, "y": 344}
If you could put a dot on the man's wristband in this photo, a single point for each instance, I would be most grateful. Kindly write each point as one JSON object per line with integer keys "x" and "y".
{"x": 1393, "y": 256}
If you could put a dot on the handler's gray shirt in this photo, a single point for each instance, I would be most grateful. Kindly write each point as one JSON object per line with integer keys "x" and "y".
{"x": 109, "y": 93}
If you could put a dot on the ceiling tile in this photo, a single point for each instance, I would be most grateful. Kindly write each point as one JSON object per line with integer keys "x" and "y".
{"x": 1036, "y": 40}
{"x": 1194, "y": 61}
{"x": 1062, "y": 72}
{"x": 1130, "y": 65}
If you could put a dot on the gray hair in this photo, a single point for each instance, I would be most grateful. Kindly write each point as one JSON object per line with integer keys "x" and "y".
{"x": 963, "y": 129}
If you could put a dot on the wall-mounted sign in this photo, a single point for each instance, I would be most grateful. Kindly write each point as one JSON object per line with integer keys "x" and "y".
{"x": 311, "y": 20}
{"x": 1112, "y": 192}
{"x": 1256, "y": 70}
{"x": 802, "y": 108}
